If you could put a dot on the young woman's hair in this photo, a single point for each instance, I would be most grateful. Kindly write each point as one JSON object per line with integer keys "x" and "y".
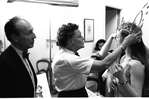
{"x": 138, "y": 50}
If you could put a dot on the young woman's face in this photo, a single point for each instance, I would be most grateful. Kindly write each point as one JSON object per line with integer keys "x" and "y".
{"x": 121, "y": 35}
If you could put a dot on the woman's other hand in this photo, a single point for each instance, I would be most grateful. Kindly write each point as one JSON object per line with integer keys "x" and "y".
{"x": 119, "y": 73}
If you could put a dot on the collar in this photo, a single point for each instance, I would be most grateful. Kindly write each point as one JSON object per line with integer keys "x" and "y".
{"x": 67, "y": 50}
{"x": 20, "y": 52}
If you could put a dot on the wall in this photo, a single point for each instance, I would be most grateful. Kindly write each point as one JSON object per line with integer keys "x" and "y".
{"x": 93, "y": 9}
{"x": 2, "y": 21}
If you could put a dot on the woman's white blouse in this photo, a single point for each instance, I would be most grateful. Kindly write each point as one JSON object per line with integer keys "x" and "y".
{"x": 70, "y": 71}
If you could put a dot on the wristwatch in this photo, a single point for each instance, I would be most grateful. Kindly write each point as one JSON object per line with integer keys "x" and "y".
{"x": 123, "y": 83}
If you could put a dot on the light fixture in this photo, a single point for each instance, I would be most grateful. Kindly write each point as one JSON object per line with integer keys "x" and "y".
{"x": 71, "y": 3}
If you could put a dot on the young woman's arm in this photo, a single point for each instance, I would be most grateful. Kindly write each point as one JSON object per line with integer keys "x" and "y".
{"x": 137, "y": 79}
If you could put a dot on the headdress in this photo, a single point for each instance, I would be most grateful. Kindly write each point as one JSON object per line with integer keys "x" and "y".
{"x": 129, "y": 26}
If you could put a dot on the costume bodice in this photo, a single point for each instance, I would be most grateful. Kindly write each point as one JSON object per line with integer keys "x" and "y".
{"x": 115, "y": 92}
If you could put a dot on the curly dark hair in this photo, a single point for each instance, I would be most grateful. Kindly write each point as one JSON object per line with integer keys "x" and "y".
{"x": 131, "y": 27}
{"x": 65, "y": 32}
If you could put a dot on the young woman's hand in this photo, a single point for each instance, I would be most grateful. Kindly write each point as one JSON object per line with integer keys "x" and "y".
{"x": 119, "y": 73}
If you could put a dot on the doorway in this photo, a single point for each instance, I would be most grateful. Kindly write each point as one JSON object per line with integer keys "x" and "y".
{"x": 112, "y": 22}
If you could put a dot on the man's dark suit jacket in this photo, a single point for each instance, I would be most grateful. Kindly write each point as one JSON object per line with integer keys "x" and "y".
{"x": 15, "y": 80}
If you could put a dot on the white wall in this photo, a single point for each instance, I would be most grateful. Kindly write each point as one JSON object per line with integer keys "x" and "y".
{"x": 93, "y": 9}
{"x": 2, "y": 20}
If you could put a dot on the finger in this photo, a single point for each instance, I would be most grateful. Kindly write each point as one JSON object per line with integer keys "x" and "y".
{"x": 139, "y": 33}
{"x": 118, "y": 67}
{"x": 112, "y": 86}
{"x": 138, "y": 38}
{"x": 114, "y": 80}
{"x": 113, "y": 69}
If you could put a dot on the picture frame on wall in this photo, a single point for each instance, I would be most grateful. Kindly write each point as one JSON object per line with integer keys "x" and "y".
{"x": 88, "y": 30}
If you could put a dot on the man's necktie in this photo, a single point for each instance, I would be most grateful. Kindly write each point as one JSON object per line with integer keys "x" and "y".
{"x": 77, "y": 54}
{"x": 25, "y": 55}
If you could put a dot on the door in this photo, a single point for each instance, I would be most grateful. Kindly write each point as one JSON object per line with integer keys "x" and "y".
{"x": 112, "y": 22}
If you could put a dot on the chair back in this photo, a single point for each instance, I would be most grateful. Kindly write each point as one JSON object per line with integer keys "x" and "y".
{"x": 44, "y": 65}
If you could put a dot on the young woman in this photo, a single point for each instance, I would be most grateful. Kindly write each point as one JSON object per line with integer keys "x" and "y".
{"x": 131, "y": 74}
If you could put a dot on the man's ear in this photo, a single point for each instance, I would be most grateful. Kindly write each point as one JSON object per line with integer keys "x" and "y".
{"x": 14, "y": 37}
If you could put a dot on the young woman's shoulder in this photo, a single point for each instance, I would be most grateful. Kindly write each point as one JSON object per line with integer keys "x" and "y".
{"x": 136, "y": 66}
{"x": 136, "y": 63}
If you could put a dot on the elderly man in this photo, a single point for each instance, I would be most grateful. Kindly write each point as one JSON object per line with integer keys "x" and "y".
{"x": 18, "y": 78}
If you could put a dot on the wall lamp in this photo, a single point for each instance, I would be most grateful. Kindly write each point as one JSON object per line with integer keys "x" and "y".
{"x": 70, "y": 3}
